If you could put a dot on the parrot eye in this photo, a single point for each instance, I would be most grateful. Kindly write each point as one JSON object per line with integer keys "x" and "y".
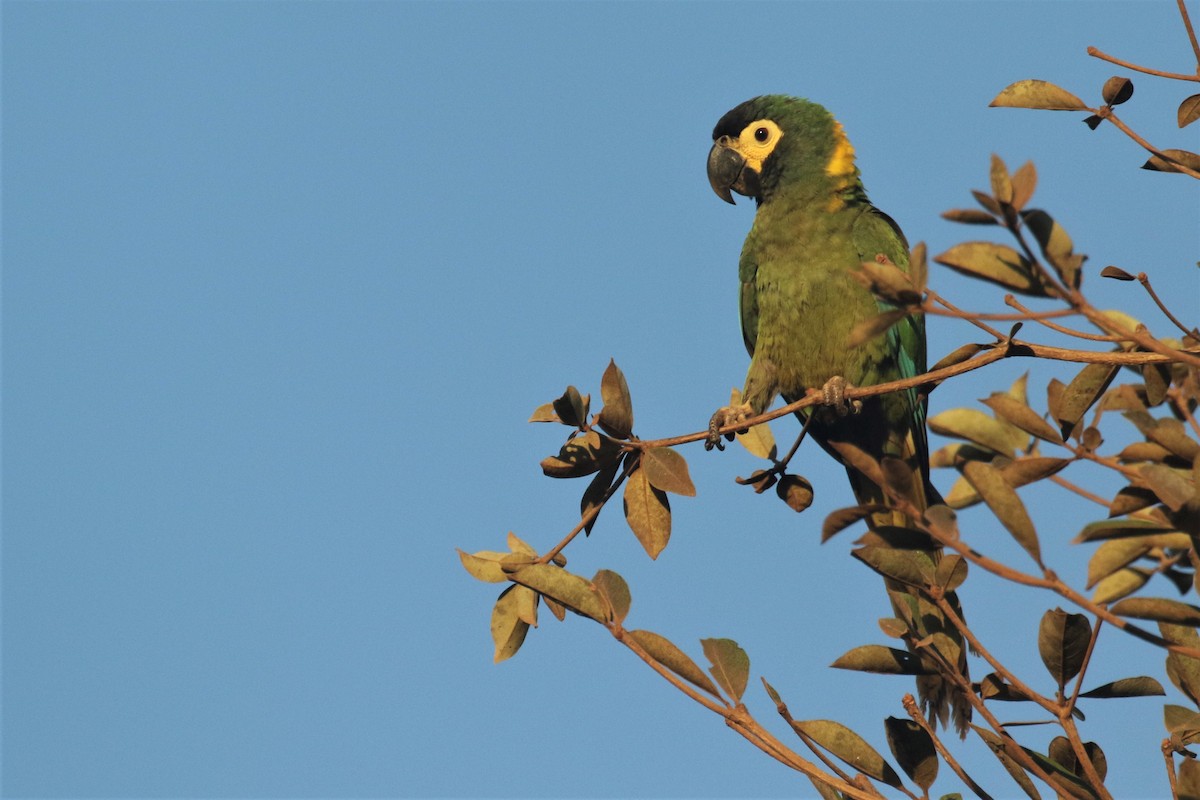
{"x": 761, "y": 134}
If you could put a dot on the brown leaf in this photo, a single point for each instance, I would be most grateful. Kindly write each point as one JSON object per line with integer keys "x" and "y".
{"x": 874, "y": 326}
{"x": 572, "y": 407}
{"x": 1116, "y": 273}
{"x": 1024, "y": 181}
{"x": 850, "y": 748}
{"x": 1189, "y": 110}
{"x": 1121, "y": 583}
{"x": 913, "y": 749}
{"x": 843, "y": 518}
{"x": 969, "y": 216}
{"x": 1079, "y": 395}
{"x": 796, "y": 491}
{"x": 648, "y": 513}
{"x": 1184, "y": 157}
{"x": 881, "y": 660}
{"x": 1002, "y": 188}
{"x": 595, "y": 492}
{"x": 616, "y": 417}
{"x": 1021, "y": 415}
{"x": 1037, "y": 94}
{"x": 1170, "y": 485}
{"x": 1055, "y": 244}
{"x": 1117, "y": 90}
{"x": 572, "y": 591}
{"x": 996, "y": 263}
{"x": 974, "y": 426}
{"x": 615, "y": 591}
{"x": 1003, "y": 501}
{"x": 1160, "y": 609}
{"x": 666, "y": 653}
{"x": 508, "y": 629}
{"x": 668, "y": 471}
{"x": 1062, "y": 642}
{"x": 730, "y": 665}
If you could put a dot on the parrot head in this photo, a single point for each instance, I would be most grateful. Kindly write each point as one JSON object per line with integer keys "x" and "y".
{"x": 775, "y": 142}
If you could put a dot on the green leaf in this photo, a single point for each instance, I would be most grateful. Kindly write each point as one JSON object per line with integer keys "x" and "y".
{"x": 1079, "y": 395}
{"x": 1141, "y": 686}
{"x": 879, "y": 659}
{"x": 508, "y": 629}
{"x": 648, "y": 513}
{"x": 572, "y": 407}
{"x": 1189, "y": 110}
{"x": 730, "y": 665}
{"x": 1037, "y": 94}
{"x": 572, "y": 591}
{"x": 913, "y": 750}
{"x": 1117, "y": 90}
{"x": 1159, "y": 609}
{"x": 615, "y": 591}
{"x": 1173, "y": 157}
{"x": 616, "y": 417}
{"x": 850, "y": 748}
{"x": 666, "y": 653}
{"x": 996, "y": 263}
{"x": 668, "y": 471}
{"x": 1003, "y": 501}
{"x": 907, "y": 566}
{"x": 1182, "y": 720}
{"x": 1171, "y": 434}
{"x": 974, "y": 426}
{"x": 1062, "y": 643}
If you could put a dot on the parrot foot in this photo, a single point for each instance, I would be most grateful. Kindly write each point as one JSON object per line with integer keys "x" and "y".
{"x": 728, "y": 415}
{"x": 834, "y": 392}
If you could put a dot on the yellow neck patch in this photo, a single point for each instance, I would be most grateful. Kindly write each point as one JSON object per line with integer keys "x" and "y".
{"x": 841, "y": 163}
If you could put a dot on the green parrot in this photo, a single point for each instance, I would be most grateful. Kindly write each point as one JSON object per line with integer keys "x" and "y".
{"x": 799, "y": 302}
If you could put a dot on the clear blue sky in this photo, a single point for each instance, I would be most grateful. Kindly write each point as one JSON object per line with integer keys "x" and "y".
{"x": 283, "y": 282}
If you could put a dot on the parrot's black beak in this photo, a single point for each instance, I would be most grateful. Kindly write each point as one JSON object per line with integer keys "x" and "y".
{"x": 727, "y": 171}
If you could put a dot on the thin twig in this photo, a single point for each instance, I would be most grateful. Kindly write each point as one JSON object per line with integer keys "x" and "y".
{"x": 1009, "y": 300}
{"x": 1144, "y": 280}
{"x": 1079, "y": 490}
{"x": 1178, "y": 76}
{"x": 914, "y": 711}
{"x": 1187, "y": 24}
{"x": 1108, "y": 114}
